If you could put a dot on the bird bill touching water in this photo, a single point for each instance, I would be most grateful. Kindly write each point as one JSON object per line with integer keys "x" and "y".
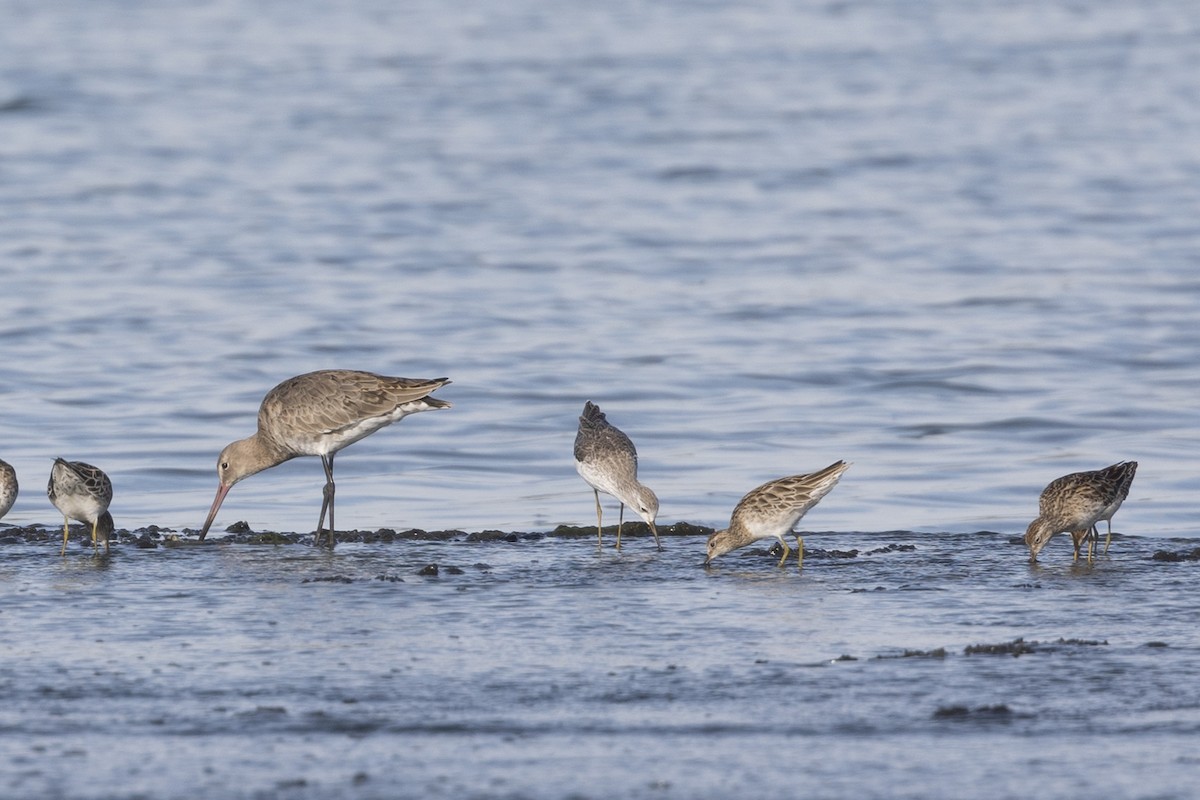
{"x": 318, "y": 414}
{"x": 606, "y": 458}
{"x": 1075, "y": 503}
{"x": 81, "y": 492}
{"x": 772, "y": 510}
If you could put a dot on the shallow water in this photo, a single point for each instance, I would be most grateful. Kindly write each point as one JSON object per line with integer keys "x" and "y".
{"x": 954, "y": 244}
{"x": 544, "y": 668}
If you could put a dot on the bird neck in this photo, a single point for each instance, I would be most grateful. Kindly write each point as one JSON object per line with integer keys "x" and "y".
{"x": 253, "y": 454}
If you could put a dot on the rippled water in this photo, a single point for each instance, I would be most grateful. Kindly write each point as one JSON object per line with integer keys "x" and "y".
{"x": 540, "y": 668}
{"x": 954, "y": 244}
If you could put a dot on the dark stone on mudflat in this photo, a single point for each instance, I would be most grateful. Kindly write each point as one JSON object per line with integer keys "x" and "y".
{"x": 817, "y": 552}
{"x": 146, "y": 542}
{"x": 268, "y": 537}
{"x": 1017, "y": 647}
{"x": 329, "y": 579}
{"x": 454, "y": 570}
{"x": 686, "y": 529}
{"x": 892, "y": 548}
{"x": 389, "y": 578}
{"x": 428, "y": 570}
{"x": 489, "y": 536}
{"x": 845, "y": 657}
{"x": 578, "y": 532}
{"x": 937, "y": 653}
{"x": 1157, "y": 644}
{"x": 239, "y": 527}
{"x": 418, "y": 535}
{"x": 1172, "y": 556}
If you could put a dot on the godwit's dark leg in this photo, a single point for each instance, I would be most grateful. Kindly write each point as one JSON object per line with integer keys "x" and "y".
{"x": 327, "y": 499}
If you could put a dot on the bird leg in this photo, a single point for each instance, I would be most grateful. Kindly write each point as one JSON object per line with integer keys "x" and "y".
{"x": 66, "y": 522}
{"x": 787, "y": 551}
{"x": 1108, "y": 540}
{"x": 95, "y": 545}
{"x": 620, "y": 523}
{"x": 599, "y": 520}
{"x": 327, "y": 499}
{"x": 800, "y": 550}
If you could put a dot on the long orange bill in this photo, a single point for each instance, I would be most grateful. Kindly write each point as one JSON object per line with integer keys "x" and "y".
{"x": 222, "y": 490}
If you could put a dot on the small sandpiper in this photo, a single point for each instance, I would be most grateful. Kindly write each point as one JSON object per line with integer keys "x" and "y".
{"x": 773, "y": 509}
{"x": 1075, "y": 503}
{"x": 81, "y": 492}
{"x": 8, "y": 487}
{"x": 606, "y": 458}
{"x": 317, "y": 414}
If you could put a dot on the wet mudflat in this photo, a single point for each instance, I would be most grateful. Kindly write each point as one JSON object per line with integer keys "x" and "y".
{"x": 535, "y": 665}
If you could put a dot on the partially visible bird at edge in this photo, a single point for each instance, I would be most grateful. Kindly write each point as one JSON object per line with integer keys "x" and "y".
{"x": 8, "y": 487}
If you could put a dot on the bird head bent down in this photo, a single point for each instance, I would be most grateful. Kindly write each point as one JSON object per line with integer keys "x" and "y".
{"x": 719, "y": 543}
{"x": 1036, "y": 536}
{"x": 645, "y": 504}
{"x": 238, "y": 460}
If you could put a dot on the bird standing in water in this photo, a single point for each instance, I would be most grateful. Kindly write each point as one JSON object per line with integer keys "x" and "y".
{"x": 317, "y": 414}
{"x": 81, "y": 492}
{"x": 773, "y": 509}
{"x": 606, "y": 458}
{"x": 1075, "y": 503}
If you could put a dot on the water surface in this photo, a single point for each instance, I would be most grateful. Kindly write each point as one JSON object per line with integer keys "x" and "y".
{"x": 954, "y": 244}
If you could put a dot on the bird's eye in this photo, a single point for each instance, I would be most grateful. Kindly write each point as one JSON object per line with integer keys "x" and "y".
{"x": 224, "y": 465}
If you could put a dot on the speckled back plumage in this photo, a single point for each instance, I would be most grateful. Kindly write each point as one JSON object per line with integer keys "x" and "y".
{"x": 80, "y": 491}
{"x": 1076, "y": 502}
{"x": 773, "y": 509}
{"x": 8, "y": 487}
{"x": 779, "y": 504}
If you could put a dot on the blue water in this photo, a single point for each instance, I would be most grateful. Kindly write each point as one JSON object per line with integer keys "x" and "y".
{"x": 952, "y": 243}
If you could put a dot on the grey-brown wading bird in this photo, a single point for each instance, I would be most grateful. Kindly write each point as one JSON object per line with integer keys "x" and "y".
{"x": 773, "y": 509}
{"x": 1075, "y": 503}
{"x": 317, "y": 414}
{"x": 81, "y": 492}
{"x": 606, "y": 458}
{"x": 8, "y": 487}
